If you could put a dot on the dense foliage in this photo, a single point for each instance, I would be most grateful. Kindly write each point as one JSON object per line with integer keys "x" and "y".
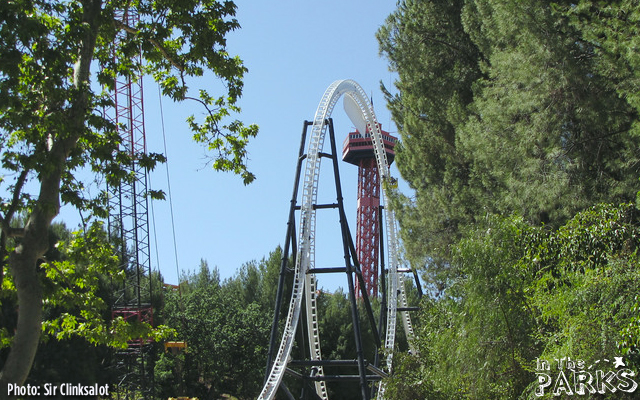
{"x": 524, "y": 294}
{"x": 81, "y": 278}
{"x": 226, "y": 325}
{"x": 505, "y": 107}
{"x": 520, "y": 138}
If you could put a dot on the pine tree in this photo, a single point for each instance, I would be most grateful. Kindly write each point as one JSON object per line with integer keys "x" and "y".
{"x": 508, "y": 107}
{"x": 437, "y": 63}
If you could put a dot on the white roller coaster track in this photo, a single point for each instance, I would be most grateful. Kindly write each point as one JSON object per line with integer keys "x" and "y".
{"x": 361, "y": 114}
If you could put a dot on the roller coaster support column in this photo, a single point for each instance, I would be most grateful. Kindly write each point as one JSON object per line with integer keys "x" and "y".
{"x": 312, "y": 367}
{"x": 382, "y": 321}
{"x": 350, "y": 269}
{"x": 289, "y": 240}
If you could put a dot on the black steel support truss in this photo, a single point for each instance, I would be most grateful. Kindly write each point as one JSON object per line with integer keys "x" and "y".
{"x": 367, "y": 373}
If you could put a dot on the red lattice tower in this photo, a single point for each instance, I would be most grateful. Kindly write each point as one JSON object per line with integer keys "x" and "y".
{"x": 358, "y": 150}
{"x": 129, "y": 201}
{"x": 129, "y": 221}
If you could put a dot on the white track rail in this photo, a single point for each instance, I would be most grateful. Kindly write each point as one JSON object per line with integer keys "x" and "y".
{"x": 304, "y": 284}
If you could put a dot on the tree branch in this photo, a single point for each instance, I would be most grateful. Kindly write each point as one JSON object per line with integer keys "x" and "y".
{"x": 5, "y": 222}
{"x": 209, "y": 111}
{"x": 64, "y": 277}
{"x": 158, "y": 45}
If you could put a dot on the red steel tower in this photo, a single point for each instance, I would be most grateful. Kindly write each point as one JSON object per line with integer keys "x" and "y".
{"x": 129, "y": 201}
{"x": 358, "y": 150}
{"x": 128, "y": 221}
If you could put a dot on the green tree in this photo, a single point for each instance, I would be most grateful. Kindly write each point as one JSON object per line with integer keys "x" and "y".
{"x": 437, "y": 64}
{"x": 533, "y": 117}
{"x": 79, "y": 276}
{"x": 52, "y": 124}
{"x": 79, "y": 352}
{"x": 612, "y": 35}
{"x": 549, "y": 135}
{"x": 524, "y": 294}
{"x": 476, "y": 338}
{"x": 338, "y": 339}
{"x": 226, "y": 327}
{"x": 257, "y": 282}
{"x": 507, "y": 146}
{"x": 587, "y": 277}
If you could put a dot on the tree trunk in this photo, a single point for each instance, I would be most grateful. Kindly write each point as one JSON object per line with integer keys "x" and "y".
{"x": 23, "y": 263}
{"x": 25, "y": 342}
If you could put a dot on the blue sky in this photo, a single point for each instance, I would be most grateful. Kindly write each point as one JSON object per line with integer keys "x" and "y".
{"x": 293, "y": 50}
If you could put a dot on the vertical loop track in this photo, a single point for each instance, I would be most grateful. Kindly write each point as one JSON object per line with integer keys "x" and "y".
{"x": 304, "y": 283}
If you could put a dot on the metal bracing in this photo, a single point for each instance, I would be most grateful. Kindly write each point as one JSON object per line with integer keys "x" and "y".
{"x": 368, "y": 227}
{"x": 129, "y": 201}
{"x": 353, "y": 267}
{"x": 303, "y": 287}
{"x": 128, "y": 218}
{"x": 308, "y": 334}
